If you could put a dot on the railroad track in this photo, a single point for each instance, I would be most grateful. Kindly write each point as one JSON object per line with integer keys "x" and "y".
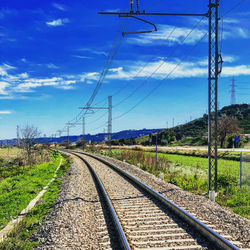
{"x": 145, "y": 219}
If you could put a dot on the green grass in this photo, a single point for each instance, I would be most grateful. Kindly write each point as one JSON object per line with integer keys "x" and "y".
{"x": 191, "y": 141}
{"x": 191, "y": 174}
{"x": 22, "y": 236}
{"x": 17, "y": 191}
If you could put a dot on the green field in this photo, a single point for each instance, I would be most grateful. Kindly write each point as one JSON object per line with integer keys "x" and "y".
{"x": 191, "y": 174}
{"x": 22, "y": 236}
{"x": 18, "y": 190}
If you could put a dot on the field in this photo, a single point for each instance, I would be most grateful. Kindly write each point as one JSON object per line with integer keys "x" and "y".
{"x": 10, "y": 153}
{"x": 191, "y": 174}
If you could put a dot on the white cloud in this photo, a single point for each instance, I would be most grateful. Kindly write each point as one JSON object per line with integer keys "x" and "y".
{"x": 162, "y": 69}
{"x": 3, "y": 72}
{"x": 30, "y": 84}
{"x": 69, "y": 82}
{"x": 5, "y": 112}
{"x": 236, "y": 70}
{"x": 82, "y": 57}
{"x": 163, "y": 35}
{"x": 8, "y": 67}
{"x": 24, "y": 75}
{"x": 231, "y": 20}
{"x": 65, "y": 87}
{"x": 226, "y": 58}
{"x": 3, "y": 86}
{"x": 93, "y": 51}
{"x": 24, "y": 60}
{"x": 59, "y": 6}
{"x": 58, "y": 22}
{"x": 52, "y": 66}
{"x": 26, "y": 87}
{"x": 90, "y": 78}
{"x": 113, "y": 10}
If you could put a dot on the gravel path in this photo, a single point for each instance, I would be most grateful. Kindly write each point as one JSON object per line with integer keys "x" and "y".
{"x": 203, "y": 209}
{"x": 77, "y": 220}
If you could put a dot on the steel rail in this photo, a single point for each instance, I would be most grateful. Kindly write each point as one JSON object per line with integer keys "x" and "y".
{"x": 208, "y": 233}
{"x": 122, "y": 238}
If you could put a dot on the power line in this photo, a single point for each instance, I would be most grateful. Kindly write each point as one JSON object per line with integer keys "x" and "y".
{"x": 234, "y": 7}
{"x": 141, "y": 69}
{"x": 161, "y": 64}
{"x": 158, "y": 85}
{"x": 108, "y": 62}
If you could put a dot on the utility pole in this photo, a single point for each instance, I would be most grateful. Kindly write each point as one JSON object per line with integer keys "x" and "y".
{"x": 18, "y": 136}
{"x": 109, "y": 108}
{"x": 214, "y": 69}
{"x": 233, "y": 99}
{"x": 68, "y": 133}
{"x": 173, "y": 122}
{"x": 156, "y": 151}
{"x": 110, "y": 122}
{"x": 104, "y": 135}
{"x": 83, "y": 127}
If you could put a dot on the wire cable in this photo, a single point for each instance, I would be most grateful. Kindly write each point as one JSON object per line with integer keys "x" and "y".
{"x": 234, "y": 7}
{"x": 158, "y": 85}
{"x": 160, "y": 65}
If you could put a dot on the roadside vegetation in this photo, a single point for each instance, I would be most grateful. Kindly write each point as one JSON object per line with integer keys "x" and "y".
{"x": 191, "y": 174}
{"x": 18, "y": 190}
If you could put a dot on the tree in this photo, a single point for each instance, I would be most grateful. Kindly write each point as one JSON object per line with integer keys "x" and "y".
{"x": 227, "y": 126}
{"x": 29, "y": 137}
{"x": 81, "y": 143}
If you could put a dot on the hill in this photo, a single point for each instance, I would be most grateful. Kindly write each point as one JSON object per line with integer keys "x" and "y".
{"x": 88, "y": 137}
{"x": 198, "y": 127}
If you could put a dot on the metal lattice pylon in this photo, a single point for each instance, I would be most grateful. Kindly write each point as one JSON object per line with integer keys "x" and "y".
{"x": 213, "y": 72}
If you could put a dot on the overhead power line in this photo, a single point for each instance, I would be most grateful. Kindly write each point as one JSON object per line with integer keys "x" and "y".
{"x": 161, "y": 64}
{"x": 158, "y": 85}
{"x": 234, "y": 7}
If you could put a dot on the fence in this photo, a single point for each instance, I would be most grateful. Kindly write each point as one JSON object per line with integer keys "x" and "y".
{"x": 244, "y": 169}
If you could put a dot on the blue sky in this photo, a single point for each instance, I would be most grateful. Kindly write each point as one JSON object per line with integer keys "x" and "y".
{"x": 52, "y": 54}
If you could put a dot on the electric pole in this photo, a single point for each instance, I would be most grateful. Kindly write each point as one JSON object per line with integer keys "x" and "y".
{"x": 83, "y": 127}
{"x": 68, "y": 133}
{"x": 173, "y": 122}
{"x": 18, "y": 136}
{"x": 214, "y": 69}
{"x": 109, "y": 108}
{"x": 110, "y": 122}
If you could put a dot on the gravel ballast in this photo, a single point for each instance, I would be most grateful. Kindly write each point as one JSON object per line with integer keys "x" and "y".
{"x": 77, "y": 220}
{"x": 222, "y": 218}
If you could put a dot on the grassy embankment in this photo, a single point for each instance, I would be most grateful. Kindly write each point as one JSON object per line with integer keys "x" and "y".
{"x": 190, "y": 173}
{"x": 19, "y": 188}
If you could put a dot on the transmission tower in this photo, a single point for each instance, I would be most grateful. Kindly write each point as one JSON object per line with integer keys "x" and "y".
{"x": 214, "y": 68}
{"x": 233, "y": 99}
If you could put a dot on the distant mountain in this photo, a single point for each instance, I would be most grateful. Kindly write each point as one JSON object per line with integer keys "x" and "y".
{"x": 97, "y": 138}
